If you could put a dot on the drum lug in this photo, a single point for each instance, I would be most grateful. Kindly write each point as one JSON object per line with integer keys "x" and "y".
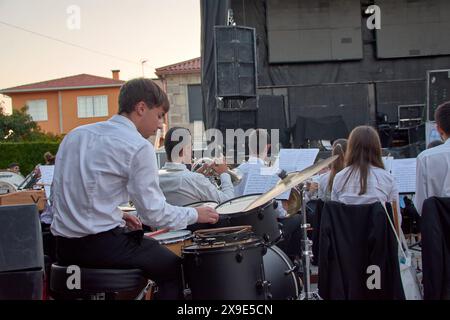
{"x": 264, "y": 286}
{"x": 187, "y": 293}
{"x": 266, "y": 237}
{"x": 291, "y": 270}
{"x": 260, "y": 215}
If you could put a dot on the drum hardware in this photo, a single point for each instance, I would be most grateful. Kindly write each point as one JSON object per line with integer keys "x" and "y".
{"x": 307, "y": 254}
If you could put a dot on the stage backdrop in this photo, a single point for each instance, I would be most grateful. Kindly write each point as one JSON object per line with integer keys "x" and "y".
{"x": 355, "y": 83}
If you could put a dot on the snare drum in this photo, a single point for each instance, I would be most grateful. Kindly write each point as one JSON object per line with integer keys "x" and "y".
{"x": 263, "y": 219}
{"x": 175, "y": 241}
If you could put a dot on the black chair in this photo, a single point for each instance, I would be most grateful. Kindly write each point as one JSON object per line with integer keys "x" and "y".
{"x": 352, "y": 239}
{"x": 97, "y": 284}
{"x": 435, "y": 229}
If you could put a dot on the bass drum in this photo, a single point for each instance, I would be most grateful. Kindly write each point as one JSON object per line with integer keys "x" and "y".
{"x": 226, "y": 265}
{"x": 281, "y": 273}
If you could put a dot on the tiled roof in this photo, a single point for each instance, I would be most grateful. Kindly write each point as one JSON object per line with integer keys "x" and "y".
{"x": 73, "y": 82}
{"x": 189, "y": 66}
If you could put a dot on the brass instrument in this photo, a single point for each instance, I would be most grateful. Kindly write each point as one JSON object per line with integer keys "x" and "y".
{"x": 294, "y": 203}
{"x": 236, "y": 176}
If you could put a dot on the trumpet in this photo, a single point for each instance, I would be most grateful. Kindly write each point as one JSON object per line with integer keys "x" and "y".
{"x": 236, "y": 176}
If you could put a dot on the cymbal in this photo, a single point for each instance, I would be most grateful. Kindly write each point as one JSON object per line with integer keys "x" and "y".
{"x": 290, "y": 181}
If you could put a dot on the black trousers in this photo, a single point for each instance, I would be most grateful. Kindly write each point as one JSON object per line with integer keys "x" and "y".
{"x": 118, "y": 249}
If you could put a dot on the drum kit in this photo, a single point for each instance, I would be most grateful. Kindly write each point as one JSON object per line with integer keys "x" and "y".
{"x": 237, "y": 258}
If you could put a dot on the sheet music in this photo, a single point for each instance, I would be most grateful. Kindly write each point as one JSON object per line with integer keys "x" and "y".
{"x": 404, "y": 172}
{"x": 46, "y": 174}
{"x": 297, "y": 159}
{"x": 47, "y": 189}
{"x": 388, "y": 163}
{"x": 258, "y": 183}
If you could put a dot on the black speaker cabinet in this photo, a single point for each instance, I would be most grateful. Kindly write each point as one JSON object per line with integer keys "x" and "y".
{"x": 235, "y": 58}
{"x": 438, "y": 92}
{"x": 21, "y": 253}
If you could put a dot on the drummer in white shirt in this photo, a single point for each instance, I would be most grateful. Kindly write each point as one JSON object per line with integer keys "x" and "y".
{"x": 364, "y": 180}
{"x": 433, "y": 165}
{"x": 182, "y": 186}
{"x": 102, "y": 165}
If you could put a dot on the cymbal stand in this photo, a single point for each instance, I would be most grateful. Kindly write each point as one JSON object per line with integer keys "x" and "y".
{"x": 306, "y": 254}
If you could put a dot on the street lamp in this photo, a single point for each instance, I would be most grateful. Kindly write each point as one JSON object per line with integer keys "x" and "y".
{"x": 142, "y": 64}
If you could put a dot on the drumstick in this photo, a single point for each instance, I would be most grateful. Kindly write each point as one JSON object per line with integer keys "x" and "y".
{"x": 155, "y": 233}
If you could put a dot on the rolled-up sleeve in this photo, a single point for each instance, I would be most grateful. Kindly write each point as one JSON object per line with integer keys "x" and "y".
{"x": 421, "y": 192}
{"x": 143, "y": 188}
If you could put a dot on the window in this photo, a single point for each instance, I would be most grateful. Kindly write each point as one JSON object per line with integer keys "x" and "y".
{"x": 195, "y": 102}
{"x": 92, "y": 106}
{"x": 37, "y": 109}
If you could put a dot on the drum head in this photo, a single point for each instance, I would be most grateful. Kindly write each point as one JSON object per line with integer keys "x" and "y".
{"x": 11, "y": 178}
{"x": 236, "y": 205}
{"x": 173, "y": 236}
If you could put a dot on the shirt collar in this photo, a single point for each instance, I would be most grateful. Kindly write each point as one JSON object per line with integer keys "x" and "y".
{"x": 123, "y": 120}
{"x": 174, "y": 166}
{"x": 447, "y": 141}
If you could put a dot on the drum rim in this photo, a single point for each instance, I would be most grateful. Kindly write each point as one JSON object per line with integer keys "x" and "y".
{"x": 243, "y": 212}
{"x": 232, "y": 247}
{"x": 201, "y": 202}
{"x": 179, "y": 238}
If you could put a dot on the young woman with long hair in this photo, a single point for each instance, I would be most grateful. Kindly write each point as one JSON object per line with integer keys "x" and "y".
{"x": 364, "y": 180}
{"x": 326, "y": 180}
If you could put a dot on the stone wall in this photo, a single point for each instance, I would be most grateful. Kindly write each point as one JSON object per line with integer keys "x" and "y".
{"x": 177, "y": 91}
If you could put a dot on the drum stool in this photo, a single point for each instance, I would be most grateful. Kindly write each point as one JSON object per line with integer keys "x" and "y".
{"x": 98, "y": 284}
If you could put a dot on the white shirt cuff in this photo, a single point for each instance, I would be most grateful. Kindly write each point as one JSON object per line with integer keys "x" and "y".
{"x": 192, "y": 216}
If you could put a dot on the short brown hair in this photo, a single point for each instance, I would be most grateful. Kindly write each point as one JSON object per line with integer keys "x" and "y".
{"x": 141, "y": 90}
{"x": 442, "y": 117}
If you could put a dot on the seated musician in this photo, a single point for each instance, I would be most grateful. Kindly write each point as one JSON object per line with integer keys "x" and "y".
{"x": 364, "y": 179}
{"x": 182, "y": 186}
{"x": 326, "y": 179}
{"x": 100, "y": 166}
{"x": 258, "y": 145}
{"x": 433, "y": 165}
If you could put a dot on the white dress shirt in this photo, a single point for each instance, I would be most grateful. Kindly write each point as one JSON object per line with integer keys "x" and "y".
{"x": 244, "y": 169}
{"x": 381, "y": 186}
{"x": 100, "y": 166}
{"x": 433, "y": 174}
{"x": 322, "y": 192}
{"x": 182, "y": 187}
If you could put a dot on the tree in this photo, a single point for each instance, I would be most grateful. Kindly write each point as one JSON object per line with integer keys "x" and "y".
{"x": 19, "y": 126}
